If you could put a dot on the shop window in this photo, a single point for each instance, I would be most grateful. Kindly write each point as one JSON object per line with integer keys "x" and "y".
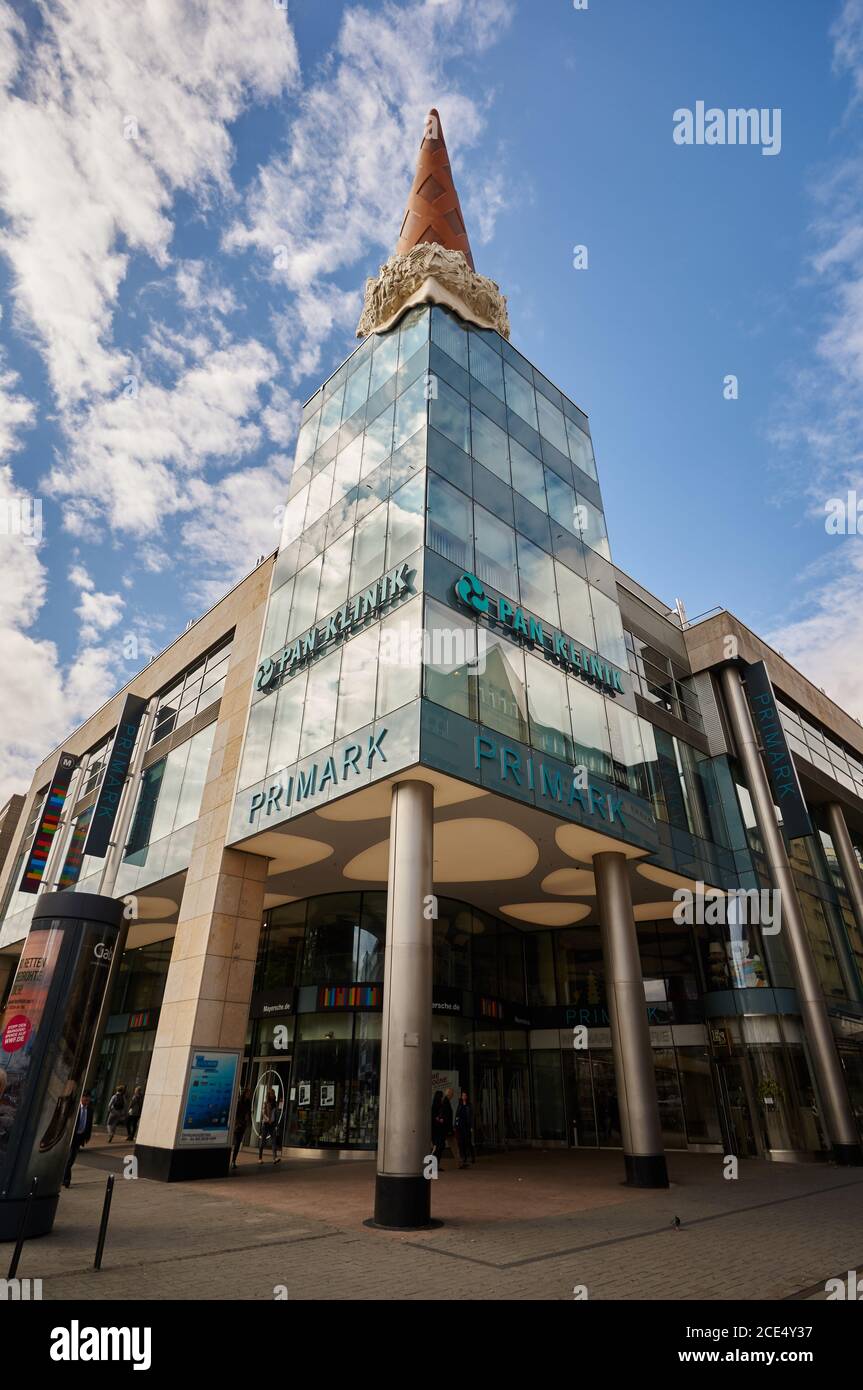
{"x": 281, "y": 947}
{"x": 453, "y": 930}
{"x": 331, "y": 929}
{"x": 371, "y": 938}
{"x": 321, "y": 1076}
{"x": 539, "y": 968}
{"x": 547, "y": 1086}
{"x": 484, "y": 963}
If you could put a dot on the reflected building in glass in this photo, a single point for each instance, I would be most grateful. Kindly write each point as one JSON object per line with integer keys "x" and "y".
{"x": 416, "y": 807}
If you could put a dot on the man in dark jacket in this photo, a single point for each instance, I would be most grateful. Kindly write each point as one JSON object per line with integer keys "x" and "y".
{"x": 81, "y": 1137}
{"x": 464, "y": 1130}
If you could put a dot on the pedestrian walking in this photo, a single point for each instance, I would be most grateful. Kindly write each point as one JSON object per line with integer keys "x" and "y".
{"x": 269, "y": 1126}
{"x": 81, "y": 1136}
{"x": 438, "y": 1126}
{"x": 133, "y": 1114}
{"x": 464, "y": 1130}
{"x": 116, "y": 1111}
{"x": 241, "y": 1121}
{"x": 449, "y": 1141}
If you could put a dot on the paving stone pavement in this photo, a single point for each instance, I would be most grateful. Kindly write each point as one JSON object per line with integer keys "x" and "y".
{"x": 530, "y": 1225}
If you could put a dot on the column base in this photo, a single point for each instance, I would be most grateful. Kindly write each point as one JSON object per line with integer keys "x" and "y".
{"x": 645, "y": 1170}
{"x": 181, "y": 1165}
{"x": 848, "y": 1155}
{"x": 402, "y": 1203}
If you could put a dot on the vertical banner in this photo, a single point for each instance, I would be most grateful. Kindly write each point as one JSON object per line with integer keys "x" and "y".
{"x": 116, "y": 768}
{"x": 781, "y": 772}
{"x": 46, "y": 1035}
{"x": 34, "y": 869}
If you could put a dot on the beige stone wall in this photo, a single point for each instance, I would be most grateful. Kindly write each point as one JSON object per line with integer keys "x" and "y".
{"x": 209, "y": 982}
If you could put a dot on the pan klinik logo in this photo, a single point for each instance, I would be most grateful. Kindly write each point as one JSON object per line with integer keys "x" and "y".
{"x": 736, "y": 126}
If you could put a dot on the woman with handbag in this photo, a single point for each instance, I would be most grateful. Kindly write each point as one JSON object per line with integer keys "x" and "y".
{"x": 269, "y": 1126}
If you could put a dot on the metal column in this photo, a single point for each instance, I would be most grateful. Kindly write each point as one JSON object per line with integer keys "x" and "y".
{"x": 829, "y": 1076}
{"x": 402, "y": 1192}
{"x": 630, "y": 1036}
{"x": 847, "y": 860}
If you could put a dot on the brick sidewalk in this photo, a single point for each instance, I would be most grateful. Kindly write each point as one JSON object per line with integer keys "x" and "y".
{"x": 527, "y": 1226}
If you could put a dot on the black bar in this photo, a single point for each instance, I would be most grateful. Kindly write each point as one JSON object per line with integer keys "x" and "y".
{"x": 19, "y": 1244}
{"x": 103, "y": 1225}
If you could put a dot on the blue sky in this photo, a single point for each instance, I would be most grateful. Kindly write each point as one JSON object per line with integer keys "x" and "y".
{"x": 153, "y": 355}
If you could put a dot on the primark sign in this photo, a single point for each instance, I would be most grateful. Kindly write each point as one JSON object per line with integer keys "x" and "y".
{"x": 533, "y": 633}
{"x": 370, "y": 602}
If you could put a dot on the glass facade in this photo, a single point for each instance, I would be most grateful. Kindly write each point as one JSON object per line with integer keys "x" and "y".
{"x": 497, "y": 991}
{"x": 163, "y": 823}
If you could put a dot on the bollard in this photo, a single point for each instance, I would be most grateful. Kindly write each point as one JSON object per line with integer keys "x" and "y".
{"x": 19, "y": 1244}
{"x": 103, "y": 1225}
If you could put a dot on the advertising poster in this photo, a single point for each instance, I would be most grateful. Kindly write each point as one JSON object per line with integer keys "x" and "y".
{"x": 206, "y": 1120}
{"x": 19, "y": 1027}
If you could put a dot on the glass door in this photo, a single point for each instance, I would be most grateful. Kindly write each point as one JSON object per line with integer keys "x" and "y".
{"x": 269, "y": 1072}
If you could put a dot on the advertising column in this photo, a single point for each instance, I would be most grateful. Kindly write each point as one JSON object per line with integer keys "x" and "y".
{"x": 45, "y": 1038}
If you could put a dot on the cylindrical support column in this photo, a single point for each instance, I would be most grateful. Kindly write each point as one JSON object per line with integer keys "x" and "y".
{"x": 630, "y": 1036}
{"x": 847, "y": 859}
{"x": 829, "y": 1076}
{"x": 402, "y": 1191}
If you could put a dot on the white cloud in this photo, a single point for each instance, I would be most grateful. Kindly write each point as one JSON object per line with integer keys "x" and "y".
{"x": 98, "y": 612}
{"x": 238, "y": 522}
{"x": 126, "y": 104}
{"x": 16, "y": 412}
{"x": 825, "y": 644}
{"x": 39, "y": 701}
{"x": 133, "y": 460}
